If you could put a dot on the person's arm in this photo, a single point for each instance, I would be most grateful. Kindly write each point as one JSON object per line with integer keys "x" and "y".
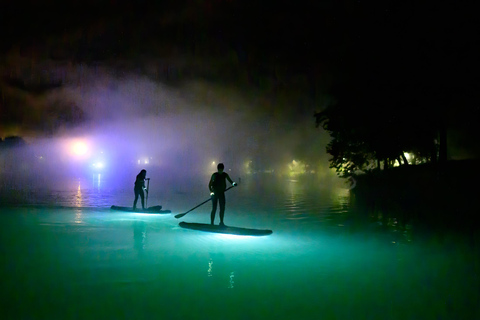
{"x": 230, "y": 180}
{"x": 210, "y": 185}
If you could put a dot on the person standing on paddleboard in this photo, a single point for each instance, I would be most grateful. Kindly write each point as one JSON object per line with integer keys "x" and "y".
{"x": 139, "y": 187}
{"x": 217, "y": 186}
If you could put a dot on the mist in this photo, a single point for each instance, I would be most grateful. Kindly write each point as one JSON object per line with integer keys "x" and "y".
{"x": 126, "y": 121}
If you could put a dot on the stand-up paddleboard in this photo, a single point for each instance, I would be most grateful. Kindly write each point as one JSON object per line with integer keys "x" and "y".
{"x": 154, "y": 209}
{"x": 225, "y": 229}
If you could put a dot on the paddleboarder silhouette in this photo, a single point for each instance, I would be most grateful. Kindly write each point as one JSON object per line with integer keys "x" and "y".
{"x": 217, "y": 186}
{"x": 138, "y": 189}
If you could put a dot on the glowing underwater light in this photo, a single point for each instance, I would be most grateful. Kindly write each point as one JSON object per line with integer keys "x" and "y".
{"x": 233, "y": 237}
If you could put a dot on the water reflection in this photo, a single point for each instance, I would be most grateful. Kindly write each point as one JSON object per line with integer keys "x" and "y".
{"x": 210, "y": 268}
{"x": 97, "y": 181}
{"x": 78, "y": 204}
{"x": 292, "y": 201}
{"x": 305, "y": 201}
{"x": 78, "y": 197}
{"x": 232, "y": 280}
{"x": 139, "y": 236}
{"x": 341, "y": 199}
{"x": 222, "y": 277}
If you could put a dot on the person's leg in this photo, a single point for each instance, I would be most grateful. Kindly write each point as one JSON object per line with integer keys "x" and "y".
{"x": 221, "y": 199}
{"x": 136, "y": 199}
{"x": 214, "y": 208}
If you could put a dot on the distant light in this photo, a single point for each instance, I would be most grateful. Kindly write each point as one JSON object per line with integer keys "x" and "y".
{"x": 79, "y": 148}
{"x": 213, "y": 163}
{"x": 98, "y": 165}
{"x": 143, "y": 161}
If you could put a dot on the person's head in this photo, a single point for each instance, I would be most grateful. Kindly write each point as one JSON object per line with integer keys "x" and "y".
{"x": 220, "y": 167}
{"x": 143, "y": 172}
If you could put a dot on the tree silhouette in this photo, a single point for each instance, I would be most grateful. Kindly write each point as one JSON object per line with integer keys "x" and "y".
{"x": 379, "y": 125}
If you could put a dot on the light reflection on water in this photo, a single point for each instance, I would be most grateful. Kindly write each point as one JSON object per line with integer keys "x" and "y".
{"x": 317, "y": 263}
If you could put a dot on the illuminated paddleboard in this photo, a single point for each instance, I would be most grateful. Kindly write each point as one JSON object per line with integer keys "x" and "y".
{"x": 226, "y": 230}
{"x": 154, "y": 209}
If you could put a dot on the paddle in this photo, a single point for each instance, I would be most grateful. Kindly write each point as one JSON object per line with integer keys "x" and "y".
{"x": 182, "y": 214}
{"x": 148, "y": 185}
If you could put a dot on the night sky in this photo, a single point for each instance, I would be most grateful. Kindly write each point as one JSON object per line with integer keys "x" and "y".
{"x": 261, "y": 62}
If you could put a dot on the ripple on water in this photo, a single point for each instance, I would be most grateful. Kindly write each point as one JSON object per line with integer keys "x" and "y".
{"x": 309, "y": 265}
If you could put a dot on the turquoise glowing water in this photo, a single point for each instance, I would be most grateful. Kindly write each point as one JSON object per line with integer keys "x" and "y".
{"x": 66, "y": 255}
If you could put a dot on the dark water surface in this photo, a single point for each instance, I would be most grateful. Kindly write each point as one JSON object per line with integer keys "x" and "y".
{"x": 66, "y": 255}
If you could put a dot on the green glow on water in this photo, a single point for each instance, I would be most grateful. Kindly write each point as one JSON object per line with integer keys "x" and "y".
{"x": 233, "y": 238}
{"x": 77, "y": 263}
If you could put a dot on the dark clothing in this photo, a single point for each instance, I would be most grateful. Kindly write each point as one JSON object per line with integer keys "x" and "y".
{"x": 138, "y": 192}
{"x": 218, "y": 185}
{"x": 220, "y": 198}
{"x": 219, "y": 181}
{"x": 138, "y": 189}
{"x": 140, "y": 181}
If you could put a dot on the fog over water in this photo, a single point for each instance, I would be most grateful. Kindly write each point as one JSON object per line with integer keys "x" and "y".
{"x": 123, "y": 122}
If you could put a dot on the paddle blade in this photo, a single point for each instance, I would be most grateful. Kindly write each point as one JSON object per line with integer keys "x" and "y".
{"x": 180, "y": 215}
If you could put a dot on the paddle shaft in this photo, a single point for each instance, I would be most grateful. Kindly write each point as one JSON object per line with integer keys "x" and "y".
{"x": 148, "y": 186}
{"x": 182, "y": 214}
